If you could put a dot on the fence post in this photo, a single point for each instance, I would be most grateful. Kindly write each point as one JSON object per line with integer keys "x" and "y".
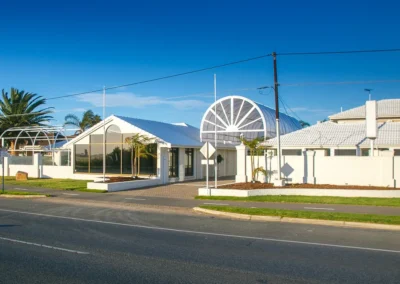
{"x": 6, "y": 167}
{"x": 309, "y": 167}
{"x": 38, "y": 165}
{"x": 241, "y": 163}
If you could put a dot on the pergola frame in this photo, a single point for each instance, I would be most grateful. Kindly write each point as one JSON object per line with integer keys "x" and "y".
{"x": 36, "y": 133}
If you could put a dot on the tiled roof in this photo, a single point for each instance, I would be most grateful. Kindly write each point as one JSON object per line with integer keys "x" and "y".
{"x": 385, "y": 108}
{"x": 331, "y": 134}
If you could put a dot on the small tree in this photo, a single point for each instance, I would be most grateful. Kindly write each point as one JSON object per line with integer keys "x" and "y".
{"x": 254, "y": 148}
{"x": 138, "y": 143}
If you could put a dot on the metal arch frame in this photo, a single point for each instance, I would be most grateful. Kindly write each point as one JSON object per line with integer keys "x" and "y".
{"x": 36, "y": 129}
{"x": 234, "y": 118}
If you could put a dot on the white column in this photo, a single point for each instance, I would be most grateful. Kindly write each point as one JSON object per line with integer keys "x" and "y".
{"x": 6, "y": 167}
{"x": 309, "y": 167}
{"x": 241, "y": 163}
{"x": 37, "y": 164}
{"x": 181, "y": 164}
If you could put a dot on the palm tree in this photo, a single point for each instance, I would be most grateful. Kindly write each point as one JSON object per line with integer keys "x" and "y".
{"x": 138, "y": 143}
{"x": 19, "y": 108}
{"x": 304, "y": 124}
{"x": 88, "y": 120}
{"x": 255, "y": 148}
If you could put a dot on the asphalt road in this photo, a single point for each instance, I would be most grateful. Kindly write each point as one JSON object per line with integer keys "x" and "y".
{"x": 42, "y": 242}
{"x": 123, "y": 197}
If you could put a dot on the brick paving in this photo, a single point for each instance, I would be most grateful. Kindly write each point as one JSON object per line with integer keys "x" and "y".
{"x": 186, "y": 190}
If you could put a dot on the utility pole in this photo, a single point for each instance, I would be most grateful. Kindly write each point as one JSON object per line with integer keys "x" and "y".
{"x": 279, "y": 181}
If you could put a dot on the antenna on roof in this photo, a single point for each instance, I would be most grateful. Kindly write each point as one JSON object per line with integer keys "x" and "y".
{"x": 369, "y": 92}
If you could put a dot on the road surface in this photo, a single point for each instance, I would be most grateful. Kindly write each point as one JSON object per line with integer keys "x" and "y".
{"x": 43, "y": 242}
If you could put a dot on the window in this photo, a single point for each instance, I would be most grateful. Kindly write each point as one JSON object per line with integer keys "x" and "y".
{"x": 345, "y": 152}
{"x": 174, "y": 162}
{"x": 82, "y": 158}
{"x": 113, "y": 149}
{"x": 291, "y": 152}
{"x": 96, "y": 153}
{"x": 189, "y": 158}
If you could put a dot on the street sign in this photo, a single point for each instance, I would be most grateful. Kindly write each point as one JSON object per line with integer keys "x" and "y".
{"x": 207, "y": 153}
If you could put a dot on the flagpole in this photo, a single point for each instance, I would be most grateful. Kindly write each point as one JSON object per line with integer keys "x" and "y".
{"x": 215, "y": 134}
{"x": 104, "y": 134}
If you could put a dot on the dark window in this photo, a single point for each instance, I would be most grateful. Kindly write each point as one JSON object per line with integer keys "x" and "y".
{"x": 96, "y": 153}
{"x": 291, "y": 152}
{"x": 397, "y": 152}
{"x": 82, "y": 158}
{"x": 174, "y": 162}
{"x": 113, "y": 150}
{"x": 345, "y": 152}
{"x": 189, "y": 158}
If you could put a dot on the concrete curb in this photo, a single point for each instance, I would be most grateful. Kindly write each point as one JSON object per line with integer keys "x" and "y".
{"x": 22, "y": 196}
{"x": 298, "y": 220}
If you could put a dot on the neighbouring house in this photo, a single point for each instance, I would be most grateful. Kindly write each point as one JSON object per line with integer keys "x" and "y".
{"x": 336, "y": 151}
{"x": 345, "y": 134}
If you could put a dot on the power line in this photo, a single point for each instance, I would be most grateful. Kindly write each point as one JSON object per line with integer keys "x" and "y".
{"x": 340, "y": 52}
{"x": 164, "y": 77}
{"x": 339, "y": 83}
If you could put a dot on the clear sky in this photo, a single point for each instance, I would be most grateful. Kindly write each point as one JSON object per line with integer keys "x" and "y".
{"x": 57, "y": 48}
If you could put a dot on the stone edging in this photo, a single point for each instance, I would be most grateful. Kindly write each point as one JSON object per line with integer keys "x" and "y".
{"x": 22, "y": 196}
{"x": 299, "y": 220}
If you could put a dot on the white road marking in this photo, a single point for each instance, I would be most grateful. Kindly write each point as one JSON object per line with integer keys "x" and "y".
{"x": 70, "y": 193}
{"x": 135, "y": 198}
{"x": 319, "y": 208}
{"x": 216, "y": 203}
{"x": 19, "y": 188}
{"x": 203, "y": 233}
{"x": 43, "y": 246}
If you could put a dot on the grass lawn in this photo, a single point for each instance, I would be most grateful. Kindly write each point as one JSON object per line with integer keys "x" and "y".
{"x": 20, "y": 193}
{"x": 395, "y": 202}
{"x": 55, "y": 183}
{"x": 350, "y": 217}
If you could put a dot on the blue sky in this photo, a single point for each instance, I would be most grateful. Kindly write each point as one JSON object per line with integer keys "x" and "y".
{"x": 57, "y": 48}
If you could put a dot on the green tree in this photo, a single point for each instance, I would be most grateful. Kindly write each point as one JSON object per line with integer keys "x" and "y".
{"x": 304, "y": 124}
{"x": 88, "y": 120}
{"x": 20, "y": 108}
{"x": 139, "y": 149}
{"x": 255, "y": 148}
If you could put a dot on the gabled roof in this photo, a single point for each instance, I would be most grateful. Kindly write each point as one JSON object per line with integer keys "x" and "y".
{"x": 385, "y": 108}
{"x": 331, "y": 134}
{"x": 180, "y": 134}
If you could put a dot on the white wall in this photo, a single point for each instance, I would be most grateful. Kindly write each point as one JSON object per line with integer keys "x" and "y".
{"x": 338, "y": 170}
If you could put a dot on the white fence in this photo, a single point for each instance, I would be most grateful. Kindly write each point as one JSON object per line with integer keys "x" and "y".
{"x": 339, "y": 170}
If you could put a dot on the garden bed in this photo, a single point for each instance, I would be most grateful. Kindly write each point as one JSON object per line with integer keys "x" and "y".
{"x": 121, "y": 179}
{"x": 258, "y": 185}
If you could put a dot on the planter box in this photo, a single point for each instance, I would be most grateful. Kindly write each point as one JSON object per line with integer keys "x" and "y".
{"x": 125, "y": 185}
{"x": 382, "y": 193}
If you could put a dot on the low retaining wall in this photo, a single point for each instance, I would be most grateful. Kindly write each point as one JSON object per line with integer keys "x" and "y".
{"x": 382, "y": 193}
{"x": 125, "y": 185}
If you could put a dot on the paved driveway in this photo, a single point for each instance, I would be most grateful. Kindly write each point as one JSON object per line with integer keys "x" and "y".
{"x": 185, "y": 190}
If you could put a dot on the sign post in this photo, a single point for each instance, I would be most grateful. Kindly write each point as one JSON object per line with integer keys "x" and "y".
{"x": 207, "y": 150}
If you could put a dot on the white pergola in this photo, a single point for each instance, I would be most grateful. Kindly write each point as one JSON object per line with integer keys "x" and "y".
{"x": 234, "y": 116}
{"x": 34, "y": 134}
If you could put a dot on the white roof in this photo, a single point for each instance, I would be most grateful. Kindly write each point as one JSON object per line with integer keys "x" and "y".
{"x": 180, "y": 134}
{"x": 385, "y": 108}
{"x": 331, "y": 134}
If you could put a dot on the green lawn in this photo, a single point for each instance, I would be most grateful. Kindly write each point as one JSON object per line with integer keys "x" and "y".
{"x": 350, "y": 217}
{"x": 20, "y": 193}
{"x": 55, "y": 183}
{"x": 312, "y": 199}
